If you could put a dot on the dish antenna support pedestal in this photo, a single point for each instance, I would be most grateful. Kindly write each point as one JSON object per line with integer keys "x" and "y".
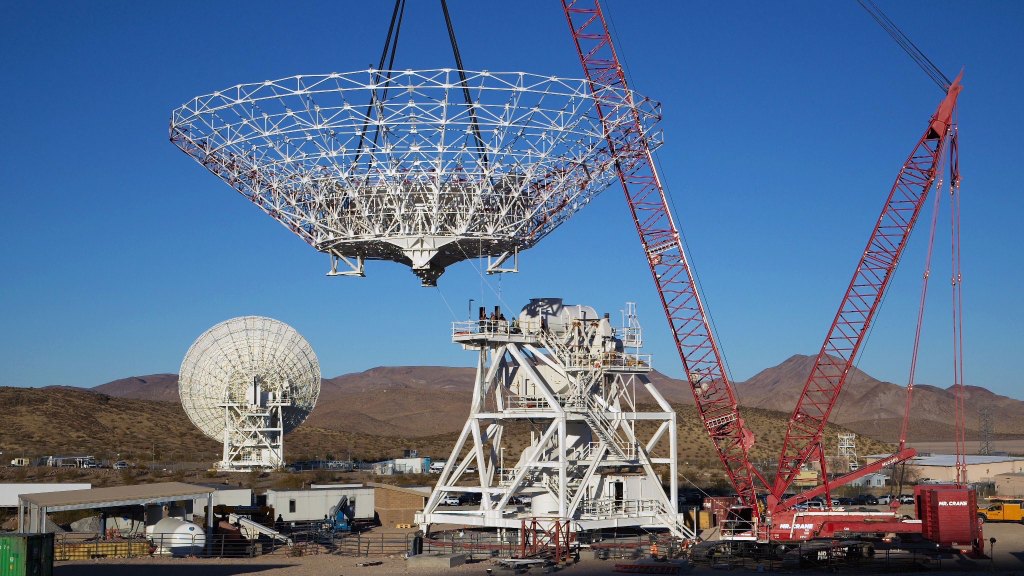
{"x": 562, "y": 371}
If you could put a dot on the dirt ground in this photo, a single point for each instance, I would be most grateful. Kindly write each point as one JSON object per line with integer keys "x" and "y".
{"x": 1008, "y": 558}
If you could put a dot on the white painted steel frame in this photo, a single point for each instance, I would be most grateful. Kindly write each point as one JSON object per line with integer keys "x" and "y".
{"x": 386, "y": 165}
{"x": 601, "y": 395}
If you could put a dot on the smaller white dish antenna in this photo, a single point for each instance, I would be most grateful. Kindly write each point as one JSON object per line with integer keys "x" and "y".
{"x": 246, "y": 383}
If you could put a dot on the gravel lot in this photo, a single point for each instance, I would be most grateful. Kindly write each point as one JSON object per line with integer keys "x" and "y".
{"x": 1008, "y": 559}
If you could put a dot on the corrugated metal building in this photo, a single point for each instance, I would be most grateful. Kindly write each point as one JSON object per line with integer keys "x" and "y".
{"x": 1010, "y": 485}
{"x": 225, "y": 496}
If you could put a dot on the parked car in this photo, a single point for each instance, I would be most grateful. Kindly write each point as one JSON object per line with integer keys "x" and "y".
{"x": 886, "y": 499}
{"x": 845, "y": 501}
{"x": 450, "y": 501}
{"x": 120, "y": 465}
{"x": 863, "y": 499}
{"x": 470, "y": 498}
{"x": 815, "y": 505}
{"x": 906, "y": 498}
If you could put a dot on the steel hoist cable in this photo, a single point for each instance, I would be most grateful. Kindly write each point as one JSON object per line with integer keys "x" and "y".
{"x": 481, "y": 148}
{"x": 906, "y": 44}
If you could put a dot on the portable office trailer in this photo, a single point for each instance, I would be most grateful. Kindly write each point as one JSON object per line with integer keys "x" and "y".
{"x": 305, "y": 505}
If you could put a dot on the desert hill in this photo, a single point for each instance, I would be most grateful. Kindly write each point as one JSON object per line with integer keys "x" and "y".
{"x": 873, "y": 407}
{"x": 431, "y": 400}
{"x": 48, "y": 421}
{"x": 66, "y": 421}
{"x": 402, "y": 400}
{"x": 163, "y": 387}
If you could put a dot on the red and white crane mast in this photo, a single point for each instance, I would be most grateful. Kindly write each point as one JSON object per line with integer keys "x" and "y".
{"x": 702, "y": 360}
{"x": 863, "y": 296}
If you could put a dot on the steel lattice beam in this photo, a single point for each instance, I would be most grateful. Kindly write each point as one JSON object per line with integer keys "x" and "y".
{"x": 702, "y": 361}
{"x": 864, "y": 295}
{"x": 404, "y": 179}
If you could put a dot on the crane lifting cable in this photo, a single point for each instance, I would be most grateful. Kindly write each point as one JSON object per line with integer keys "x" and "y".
{"x": 390, "y": 48}
{"x": 475, "y": 125}
{"x": 906, "y": 44}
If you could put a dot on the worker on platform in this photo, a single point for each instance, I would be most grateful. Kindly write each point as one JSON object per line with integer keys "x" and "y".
{"x": 654, "y": 549}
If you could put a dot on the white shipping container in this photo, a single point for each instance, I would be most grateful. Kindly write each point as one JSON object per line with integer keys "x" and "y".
{"x": 411, "y": 465}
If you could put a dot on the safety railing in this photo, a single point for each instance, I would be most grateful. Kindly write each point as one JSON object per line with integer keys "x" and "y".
{"x": 88, "y": 546}
{"x": 610, "y": 507}
{"x": 506, "y": 328}
{"x": 518, "y": 402}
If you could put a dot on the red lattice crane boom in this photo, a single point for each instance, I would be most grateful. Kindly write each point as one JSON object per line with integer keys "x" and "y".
{"x": 863, "y": 296}
{"x": 702, "y": 361}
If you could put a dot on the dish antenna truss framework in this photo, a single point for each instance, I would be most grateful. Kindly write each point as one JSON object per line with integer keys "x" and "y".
{"x": 247, "y": 382}
{"x": 440, "y": 182}
{"x": 426, "y": 168}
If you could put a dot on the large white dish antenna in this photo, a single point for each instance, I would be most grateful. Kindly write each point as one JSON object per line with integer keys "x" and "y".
{"x": 395, "y": 165}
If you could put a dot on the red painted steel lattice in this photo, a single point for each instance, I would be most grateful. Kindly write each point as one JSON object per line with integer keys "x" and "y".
{"x": 864, "y": 294}
{"x": 701, "y": 358}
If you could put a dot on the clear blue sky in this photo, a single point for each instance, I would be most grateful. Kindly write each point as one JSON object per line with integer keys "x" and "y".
{"x": 785, "y": 125}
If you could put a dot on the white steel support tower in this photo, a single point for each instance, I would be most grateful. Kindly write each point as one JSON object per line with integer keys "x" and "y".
{"x": 555, "y": 431}
{"x": 848, "y": 450}
{"x": 254, "y": 426}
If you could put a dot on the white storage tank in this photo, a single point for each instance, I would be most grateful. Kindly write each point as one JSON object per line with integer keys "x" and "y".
{"x": 177, "y": 537}
{"x": 544, "y": 504}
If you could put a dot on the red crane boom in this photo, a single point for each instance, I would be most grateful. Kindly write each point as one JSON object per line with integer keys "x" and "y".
{"x": 702, "y": 361}
{"x": 863, "y": 296}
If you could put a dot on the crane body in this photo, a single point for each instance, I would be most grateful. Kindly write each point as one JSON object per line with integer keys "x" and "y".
{"x": 770, "y": 517}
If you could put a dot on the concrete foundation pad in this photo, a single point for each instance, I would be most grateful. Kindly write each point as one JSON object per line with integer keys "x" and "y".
{"x": 433, "y": 561}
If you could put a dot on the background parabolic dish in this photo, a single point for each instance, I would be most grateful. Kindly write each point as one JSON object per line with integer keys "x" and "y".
{"x": 224, "y": 360}
{"x": 395, "y": 165}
